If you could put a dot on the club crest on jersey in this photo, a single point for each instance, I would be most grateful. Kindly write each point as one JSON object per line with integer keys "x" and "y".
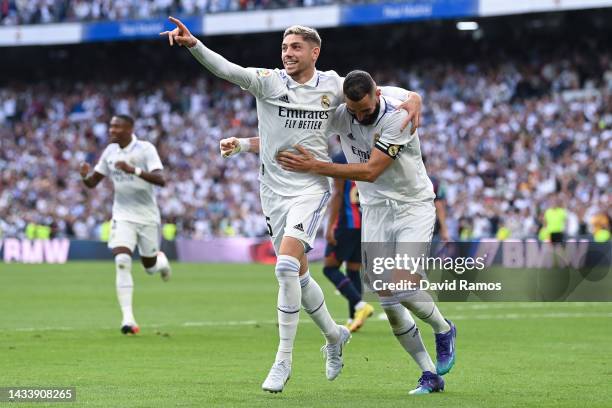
{"x": 263, "y": 72}
{"x": 325, "y": 102}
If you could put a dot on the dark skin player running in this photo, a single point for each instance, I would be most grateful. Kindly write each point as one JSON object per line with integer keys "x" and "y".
{"x": 120, "y": 131}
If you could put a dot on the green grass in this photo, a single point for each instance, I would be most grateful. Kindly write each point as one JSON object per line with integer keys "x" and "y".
{"x": 59, "y": 326}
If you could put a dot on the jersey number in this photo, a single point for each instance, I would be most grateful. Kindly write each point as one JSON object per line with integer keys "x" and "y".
{"x": 269, "y": 226}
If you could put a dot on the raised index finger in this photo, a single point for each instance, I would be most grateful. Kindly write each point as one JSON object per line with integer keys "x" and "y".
{"x": 178, "y": 23}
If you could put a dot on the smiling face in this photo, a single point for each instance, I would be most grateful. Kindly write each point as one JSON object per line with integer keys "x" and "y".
{"x": 299, "y": 56}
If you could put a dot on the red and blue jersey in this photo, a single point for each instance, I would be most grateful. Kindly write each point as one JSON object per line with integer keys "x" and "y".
{"x": 350, "y": 211}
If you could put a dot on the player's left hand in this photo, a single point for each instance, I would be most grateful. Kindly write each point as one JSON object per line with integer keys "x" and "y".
{"x": 413, "y": 106}
{"x": 121, "y": 165}
{"x": 303, "y": 162}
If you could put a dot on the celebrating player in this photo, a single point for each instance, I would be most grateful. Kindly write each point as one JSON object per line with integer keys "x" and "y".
{"x": 343, "y": 235}
{"x": 134, "y": 167}
{"x": 294, "y": 106}
{"x": 397, "y": 201}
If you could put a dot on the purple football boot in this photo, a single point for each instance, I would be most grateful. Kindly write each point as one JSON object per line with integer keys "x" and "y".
{"x": 445, "y": 349}
{"x": 428, "y": 383}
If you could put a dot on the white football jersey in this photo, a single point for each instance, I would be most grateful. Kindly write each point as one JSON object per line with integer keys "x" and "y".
{"x": 134, "y": 197}
{"x": 290, "y": 113}
{"x": 406, "y": 179}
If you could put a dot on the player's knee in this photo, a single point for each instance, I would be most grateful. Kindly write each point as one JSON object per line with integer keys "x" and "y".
{"x": 331, "y": 260}
{"x": 287, "y": 267}
{"x": 292, "y": 246}
{"x": 123, "y": 261}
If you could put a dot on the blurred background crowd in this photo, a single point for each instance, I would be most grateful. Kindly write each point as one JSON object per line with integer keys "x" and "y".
{"x": 14, "y": 12}
{"x": 507, "y": 136}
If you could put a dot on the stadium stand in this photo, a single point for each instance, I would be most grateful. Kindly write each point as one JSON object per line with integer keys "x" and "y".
{"x": 504, "y": 135}
{"x": 14, "y": 12}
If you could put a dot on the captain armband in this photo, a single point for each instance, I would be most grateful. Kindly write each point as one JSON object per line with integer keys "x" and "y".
{"x": 391, "y": 150}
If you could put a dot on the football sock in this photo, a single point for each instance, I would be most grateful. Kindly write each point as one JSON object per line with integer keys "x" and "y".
{"x": 125, "y": 286}
{"x": 314, "y": 304}
{"x": 423, "y": 306}
{"x": 344, "y": 285}
{"x": 353, "y": 275}
{"x": 159, "y": 264}
{"x": 407, "y": 333}
{"x": 288, "y": 305}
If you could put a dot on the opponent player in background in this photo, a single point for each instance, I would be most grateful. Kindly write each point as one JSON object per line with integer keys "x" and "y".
{"x": 343, "y": 236}
{"x": 397, "y": 202}
{"x": 134, "y": 167}
{"x": 294, "y": 106}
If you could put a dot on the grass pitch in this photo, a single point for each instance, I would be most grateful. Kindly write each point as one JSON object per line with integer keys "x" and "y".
{"x": 209, "y": 337}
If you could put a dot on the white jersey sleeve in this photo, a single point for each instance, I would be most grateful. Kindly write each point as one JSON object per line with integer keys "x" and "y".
{"x": 392, "y": 139}
{"x": 221, "y": 67}
{"x": 266, "y": 83}
{"x": 102, "y": 165}
{"x": 152, "y": 160}
{"x": 394, "y": 92}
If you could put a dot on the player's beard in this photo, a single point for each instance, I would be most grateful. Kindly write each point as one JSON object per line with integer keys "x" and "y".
{"x": 371, "y": 118}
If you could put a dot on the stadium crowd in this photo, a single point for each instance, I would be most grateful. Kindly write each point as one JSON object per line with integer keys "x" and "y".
{"x": 13, "y": 12}
{"x": 506, "y": 140}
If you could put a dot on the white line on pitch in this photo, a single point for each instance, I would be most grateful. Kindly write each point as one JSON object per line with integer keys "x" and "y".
{"x": 380, "y": 317}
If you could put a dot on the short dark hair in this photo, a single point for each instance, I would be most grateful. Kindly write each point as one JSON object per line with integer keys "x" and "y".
{"x": 358, "y": 84}
{"x": 126, "y": 118}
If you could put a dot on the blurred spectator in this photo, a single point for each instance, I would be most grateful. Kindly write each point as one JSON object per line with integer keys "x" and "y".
{"x": 501, "y": 138}
{"x": 13, "y": 12}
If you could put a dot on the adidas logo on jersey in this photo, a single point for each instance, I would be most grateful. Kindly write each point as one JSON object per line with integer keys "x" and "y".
{"x": 284, "y": 98}
{"x": 299, "y": 227}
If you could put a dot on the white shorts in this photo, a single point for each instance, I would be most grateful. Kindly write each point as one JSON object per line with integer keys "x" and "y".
{"x": 393, "y": 229}
{"x": 129, "y": 234}
{"x": 398, "y": 222}
{"x": 298, "y": 216}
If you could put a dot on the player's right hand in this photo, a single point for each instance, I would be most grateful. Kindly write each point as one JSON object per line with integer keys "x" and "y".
{"x": 180, "y": 35}
{"x": 84, "y": 169}
{"x": 229, "y": 146}
{"x": 330, "y": 237}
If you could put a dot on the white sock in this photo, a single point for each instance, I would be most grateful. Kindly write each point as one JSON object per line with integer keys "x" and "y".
{"x": 423, "y": 306}
{"x": 360, "y": 305}
{"x": 160, "y": 263}
{"x": 125, "y": 286}
{"x": 287, "y": 273}
{"x": 407, "y": 333}
{"x": 314, "y": 304}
